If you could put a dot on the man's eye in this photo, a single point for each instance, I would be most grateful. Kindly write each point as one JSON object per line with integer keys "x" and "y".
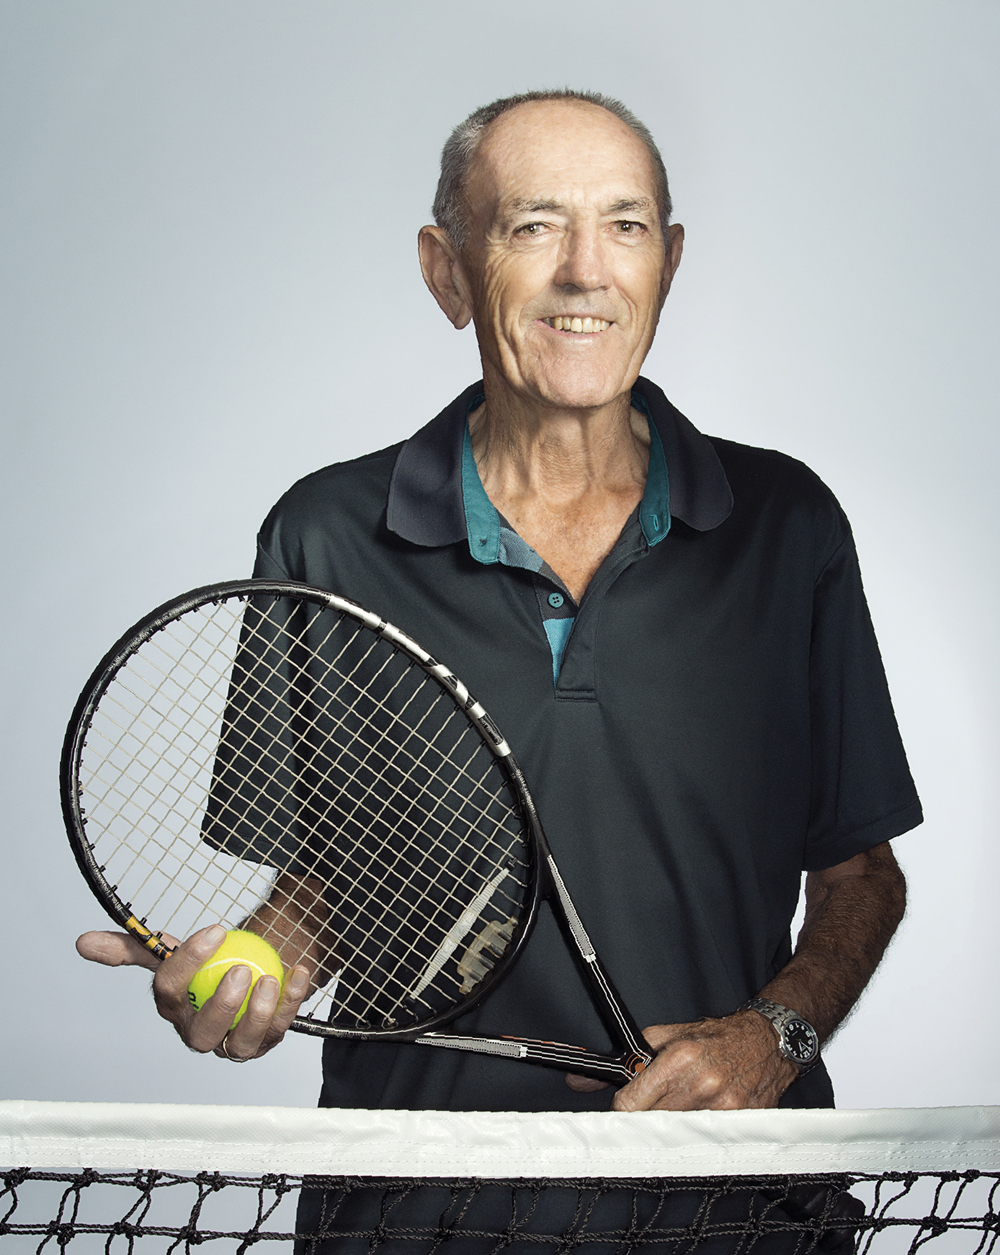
{"x": 629, "y": 228}
{"x": 529, "y": 228}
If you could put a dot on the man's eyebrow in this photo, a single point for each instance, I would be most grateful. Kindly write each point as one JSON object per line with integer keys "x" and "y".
{"x": 534, "y": 205}
{"x": 631, "y": 206}
{"x": 531, "y": 205}
{"x": 538, "y": 204}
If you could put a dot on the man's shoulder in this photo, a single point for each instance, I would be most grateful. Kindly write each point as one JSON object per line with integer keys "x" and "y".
{"x": 358, "y": 485}
{"x": 767, "y": 466}
{"x": 776, "y": 494}
{"x": 713, "y": 479}
{"x": 767, "y": 473}
{"x": 345, "y": 500}
{"x": 357, "y": 478}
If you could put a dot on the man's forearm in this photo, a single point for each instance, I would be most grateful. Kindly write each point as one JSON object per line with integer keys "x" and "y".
{"x": 294, "y": 921}
{"x": 852, "y": 911}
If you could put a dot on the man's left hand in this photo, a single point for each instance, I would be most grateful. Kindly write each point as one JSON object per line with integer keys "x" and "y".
{"x": 717, "y": 1065}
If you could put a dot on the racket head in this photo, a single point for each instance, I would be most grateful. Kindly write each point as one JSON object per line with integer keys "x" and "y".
{"x": 254, "y": 739}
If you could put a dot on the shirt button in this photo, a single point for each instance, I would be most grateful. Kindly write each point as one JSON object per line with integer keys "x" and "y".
{"x": 556, "y": 600}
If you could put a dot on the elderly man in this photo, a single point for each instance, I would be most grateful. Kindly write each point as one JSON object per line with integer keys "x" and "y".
{"x": 670, "y": 628}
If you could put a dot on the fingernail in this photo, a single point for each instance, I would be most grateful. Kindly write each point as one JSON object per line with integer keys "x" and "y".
{"x": 241, "y": 977}
{"x": 216, "y": 935}
{"x": 297, "y": 980}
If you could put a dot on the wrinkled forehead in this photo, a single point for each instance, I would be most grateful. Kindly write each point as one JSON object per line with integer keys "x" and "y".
{"x": 557, "y": 152}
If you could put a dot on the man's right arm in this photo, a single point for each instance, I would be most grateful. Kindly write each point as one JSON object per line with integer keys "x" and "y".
{"x": 291, "y": 920}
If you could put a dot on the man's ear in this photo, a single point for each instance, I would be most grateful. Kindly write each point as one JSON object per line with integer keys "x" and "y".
{"x": 675, "y": 247}
{"x": 442, "y": 271}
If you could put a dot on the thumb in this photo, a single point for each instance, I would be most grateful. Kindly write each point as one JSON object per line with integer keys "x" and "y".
{"x": 644, "y": 1091}
{"x": 584, "y": 1084}
{"x": 115, "y": 950}
{"x": 641, "y": 1093}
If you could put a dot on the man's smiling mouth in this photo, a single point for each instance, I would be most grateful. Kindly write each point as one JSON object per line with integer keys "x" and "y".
{"x": 586, "y": 326}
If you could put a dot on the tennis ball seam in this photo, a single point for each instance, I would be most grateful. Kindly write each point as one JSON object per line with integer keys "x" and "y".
{"x": 207, "y": 967}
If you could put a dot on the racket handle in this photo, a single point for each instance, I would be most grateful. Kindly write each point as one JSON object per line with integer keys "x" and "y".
{"x": 616, "y": 1070}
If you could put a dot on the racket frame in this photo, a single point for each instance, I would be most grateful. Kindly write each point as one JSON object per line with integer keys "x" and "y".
{"x": 630, "y": 1052}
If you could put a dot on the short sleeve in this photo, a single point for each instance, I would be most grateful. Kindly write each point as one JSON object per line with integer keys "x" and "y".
{"x": 267, "y": 568}
{"x": 862, "y": 792}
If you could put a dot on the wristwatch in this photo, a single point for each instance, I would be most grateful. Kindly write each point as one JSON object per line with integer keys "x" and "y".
{"x": 798, "y": 1041}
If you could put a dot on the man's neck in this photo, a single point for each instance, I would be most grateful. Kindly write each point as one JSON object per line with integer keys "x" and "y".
{"x": 566, "y": 480}
{"x": 529, "y": 450}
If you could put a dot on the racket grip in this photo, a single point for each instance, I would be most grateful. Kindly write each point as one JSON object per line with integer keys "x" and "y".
{"x": 614, "y": 1069}
{"x": 617, "y": 1070}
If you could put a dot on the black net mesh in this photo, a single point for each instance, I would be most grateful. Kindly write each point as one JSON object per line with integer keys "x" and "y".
{"x": 955, "y": 1213}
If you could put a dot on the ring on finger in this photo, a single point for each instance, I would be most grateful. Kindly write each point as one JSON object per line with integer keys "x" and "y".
{"x": 232, "y": 1058}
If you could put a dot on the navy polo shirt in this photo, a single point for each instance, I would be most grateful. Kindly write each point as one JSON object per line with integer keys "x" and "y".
{"x": 711, "y": 720}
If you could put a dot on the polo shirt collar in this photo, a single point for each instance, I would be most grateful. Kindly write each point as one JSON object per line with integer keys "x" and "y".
{"x": 429, "y": 498}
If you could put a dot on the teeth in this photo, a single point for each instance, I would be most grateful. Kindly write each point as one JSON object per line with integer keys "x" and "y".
{"x": 586, "y": 326}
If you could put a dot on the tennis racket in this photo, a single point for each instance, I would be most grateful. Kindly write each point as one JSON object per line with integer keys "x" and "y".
{"x": 276, "y": 757}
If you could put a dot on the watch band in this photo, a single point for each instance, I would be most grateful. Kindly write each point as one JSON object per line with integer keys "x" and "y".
{"x": 798, "y": 1041}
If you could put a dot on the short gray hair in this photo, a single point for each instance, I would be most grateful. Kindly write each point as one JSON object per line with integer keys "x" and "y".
{"x": 450, "y": 210}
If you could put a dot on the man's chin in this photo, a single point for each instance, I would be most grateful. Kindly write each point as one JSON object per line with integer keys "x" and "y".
{"x": 583, "y": 398}
{"x": 570, "y": 391}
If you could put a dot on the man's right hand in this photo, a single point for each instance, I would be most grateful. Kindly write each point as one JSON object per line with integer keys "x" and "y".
{"x": 267, "y": 1016}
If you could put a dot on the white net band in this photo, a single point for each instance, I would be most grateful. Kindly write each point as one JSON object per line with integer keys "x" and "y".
{"x": 432, "y": 1144}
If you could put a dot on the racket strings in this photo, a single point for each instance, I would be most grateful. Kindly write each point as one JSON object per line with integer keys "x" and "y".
{"x": 166, "y": 850}
{"x": 428, "y": 743}
{"x": 151, "y": 681}
{"x": 399, "y": 751}
{"x": 152, "y": 865}
{"x": 138, "y": 800}
{"x": 170, "y": 782}
{"x": 378, "y": 919}
{"x": 377, "y": 750}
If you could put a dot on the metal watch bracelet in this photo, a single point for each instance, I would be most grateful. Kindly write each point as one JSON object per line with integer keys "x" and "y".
{"x": 798, "y": 1041}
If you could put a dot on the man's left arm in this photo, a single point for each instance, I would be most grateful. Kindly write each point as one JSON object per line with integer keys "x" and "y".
{"x": 852, "y": 911}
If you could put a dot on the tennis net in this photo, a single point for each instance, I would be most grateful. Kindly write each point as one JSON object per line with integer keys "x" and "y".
{"x": 149, "y": 1178}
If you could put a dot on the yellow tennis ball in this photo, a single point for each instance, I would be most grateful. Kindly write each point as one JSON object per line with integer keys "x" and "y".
{"x": 239, "y": 948}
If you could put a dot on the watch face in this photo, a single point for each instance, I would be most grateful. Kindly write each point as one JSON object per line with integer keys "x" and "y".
{"x": 799, "y": 1040}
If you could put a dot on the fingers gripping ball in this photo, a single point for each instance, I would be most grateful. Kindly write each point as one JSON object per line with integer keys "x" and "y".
{"x": 239, "y": 949}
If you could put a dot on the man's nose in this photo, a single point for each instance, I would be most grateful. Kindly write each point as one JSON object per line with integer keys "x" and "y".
{"x": 582, "y": 262}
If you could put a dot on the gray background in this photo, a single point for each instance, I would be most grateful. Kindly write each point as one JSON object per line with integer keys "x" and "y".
{"x": 210, "y": 288}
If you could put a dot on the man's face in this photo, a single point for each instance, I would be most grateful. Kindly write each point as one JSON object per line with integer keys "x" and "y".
{"x": 566, "y": 265}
